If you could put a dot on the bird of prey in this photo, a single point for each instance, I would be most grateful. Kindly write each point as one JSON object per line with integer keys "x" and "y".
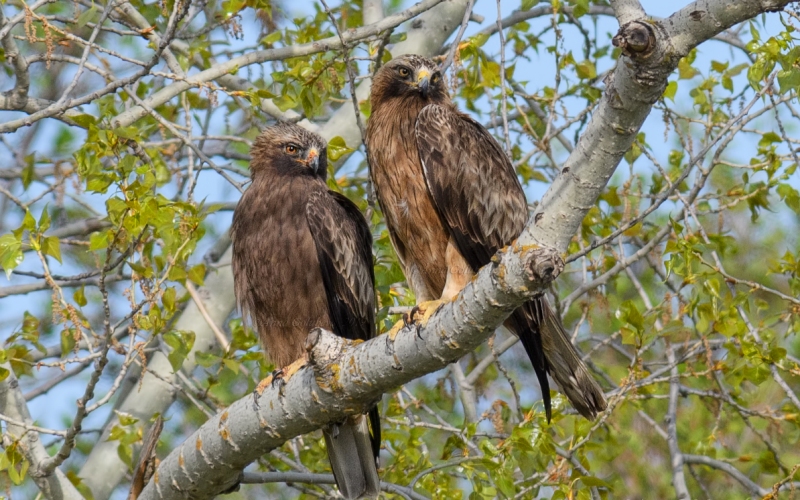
{"x": 302, "y": 258}
{"x": 451, "y": 199}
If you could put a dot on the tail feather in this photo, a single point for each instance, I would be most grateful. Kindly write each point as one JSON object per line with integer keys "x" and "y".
{"x": 353, "y": 456}
{"x": 551, "y": 351}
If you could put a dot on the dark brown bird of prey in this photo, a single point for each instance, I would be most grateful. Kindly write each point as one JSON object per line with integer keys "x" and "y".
{"x": 302, "y": 258}
{"x": 451, "y": 199}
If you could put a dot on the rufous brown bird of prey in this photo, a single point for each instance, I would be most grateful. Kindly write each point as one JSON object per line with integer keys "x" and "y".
{"x": 302, "y": 258}
{"x": 451, "y": 199}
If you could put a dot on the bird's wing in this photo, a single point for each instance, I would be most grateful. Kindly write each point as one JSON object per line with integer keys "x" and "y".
{"x": 479, "y": 199}
{"x": 344, "y": 249}
{"x": 471, "y": 181}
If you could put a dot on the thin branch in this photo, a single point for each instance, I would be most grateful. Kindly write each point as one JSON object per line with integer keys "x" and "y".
{"x": 503, "y": 95}
{"x": 678, "y": 478}
{"x": 454, "y": 46}
{"x": 221, "y": 337}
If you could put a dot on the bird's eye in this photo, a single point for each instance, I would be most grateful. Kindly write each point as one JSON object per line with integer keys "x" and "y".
{"x": 403, "y": 71}
{"x": 291, "y": 149}
{"x": 435, "y": 77}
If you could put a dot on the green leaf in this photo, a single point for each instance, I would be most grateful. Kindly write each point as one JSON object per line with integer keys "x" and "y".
{"x": 44, "y": 220}
{"x": 79, "y": 296}
{"x": 769, "y": 138}
{"x": 126, "y": 419}
{"x": 586, "y": 69}
{"x": 337, "y": 148}
{"x": 98, "y": 241}
{"x": 181, "y": 343}
{"x": 231, "y": 364}
{"x": 789, "y": 80}
{"x": 86, "y": 16}
{"x": 125, "y": 453}
{"x": 505, "y": 483}
{"x": 168, "y": 299}
{"x": 126, "y": 132}
{"x": 206, "y": 359}
{"x": 51, "y": 247}
{"x": 10, "y": 253}
{"x": 17, "y": 476}
{"x": 593, "y": 481}
{"x": 4, "y": 373}
{"x": 272, "y": 38}
{"x": 28, "y": 222}
{"x": 669, "y": 92}
{"x": 82, "y": 488}
{"x": 84, "y": 120}
{"x": 28, "y": 171}
{"x": 685, "y": 70}
{"x": 197, "y": 274}
{"x": 67, "y": 341}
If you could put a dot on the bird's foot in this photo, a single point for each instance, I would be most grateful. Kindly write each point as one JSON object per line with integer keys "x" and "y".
{"x": 269, "y": 381}
{"x": 278, "y": 378}
{"x": 423, "y": 311}
{"x": 408, "y": 320}
{"x": 396, "y": 328}
{"x": 295, "y": 367}
{"x": 420, "y": 314}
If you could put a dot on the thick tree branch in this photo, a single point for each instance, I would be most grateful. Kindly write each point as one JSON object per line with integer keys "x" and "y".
{"x": 627, "y": 11}
{"x": 342, "y": 378}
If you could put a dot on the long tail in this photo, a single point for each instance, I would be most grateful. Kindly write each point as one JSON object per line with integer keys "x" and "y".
{"x": 550, "y": 350}
{"x": 353, "y": 453}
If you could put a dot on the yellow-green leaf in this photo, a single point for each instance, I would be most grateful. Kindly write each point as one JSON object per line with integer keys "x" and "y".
{"x": 10, "y": 253}
{"x": 51, "y": 247}
{"x": 337, "y": 148}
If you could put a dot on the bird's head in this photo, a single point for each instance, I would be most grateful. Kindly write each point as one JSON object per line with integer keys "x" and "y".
{"x": 410, "y": 77}
{"x": 289, "y": 149}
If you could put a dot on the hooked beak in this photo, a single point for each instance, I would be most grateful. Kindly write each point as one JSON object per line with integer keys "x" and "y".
{"x": 423, "y": 82}
{"x": 312, "y": 159}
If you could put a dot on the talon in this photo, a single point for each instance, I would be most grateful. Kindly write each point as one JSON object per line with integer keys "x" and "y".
{"x": 277, "y": 378}
{"x": 413, "y": 313}
{"x": 262, "y": 386}
{"x": 423, "y": 311}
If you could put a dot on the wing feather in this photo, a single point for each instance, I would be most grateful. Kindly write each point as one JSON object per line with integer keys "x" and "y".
{"x": 471, "y": 181}
{"x": 344, "y": 250}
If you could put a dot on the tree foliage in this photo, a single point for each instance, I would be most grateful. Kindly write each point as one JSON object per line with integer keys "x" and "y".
{"x": 127, "y": 126}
